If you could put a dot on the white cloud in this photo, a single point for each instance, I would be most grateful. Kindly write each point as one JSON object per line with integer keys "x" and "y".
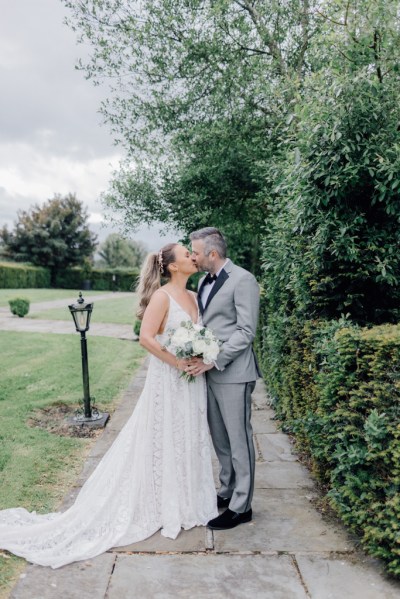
{"x": 11, "y": 56}
{"x": 26, "y": 174}
{"x": 51, "y": 137}
{"x": 95, "y": 218}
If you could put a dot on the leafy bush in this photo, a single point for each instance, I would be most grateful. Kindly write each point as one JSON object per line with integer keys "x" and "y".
{"x": 17, "y": 276}
{"x": 339, "y": 391}
{"x": 19, "y": 306}
{"x": 330, "y": 245}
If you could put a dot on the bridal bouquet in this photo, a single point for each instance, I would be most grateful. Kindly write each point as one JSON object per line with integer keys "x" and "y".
{"x": 194, "y": 340}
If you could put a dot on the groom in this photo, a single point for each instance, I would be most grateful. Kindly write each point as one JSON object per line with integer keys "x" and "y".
{"x": 228, "y": 300}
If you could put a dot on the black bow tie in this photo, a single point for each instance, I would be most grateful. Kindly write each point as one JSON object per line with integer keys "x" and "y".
{"x": 210, "y": 278}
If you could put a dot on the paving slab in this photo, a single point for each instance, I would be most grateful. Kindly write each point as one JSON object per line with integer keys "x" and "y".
{"x": 205, "y": 576}
{"x": 337, "y": 577}
{"x": 282, "y": 475}
{"x": 120, "y": 418}
{"x": 187, "y": 541}
{"x": 275, "y": 447}
{"x": 103, "y": 443}
{"x": 259, "y": 396}
{"x": 283, "y": 520}
{"x": 81, "y": 580}
{"x": 88, "y": 467}
{"x": 262, "y": 421}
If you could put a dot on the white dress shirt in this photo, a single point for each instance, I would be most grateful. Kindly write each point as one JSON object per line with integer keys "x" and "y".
{"x": 207, "y": 288}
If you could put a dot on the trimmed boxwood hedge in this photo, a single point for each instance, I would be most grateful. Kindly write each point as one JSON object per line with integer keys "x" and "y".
{"x": 23, "y": 276}
{"x": 338, "y": 390}
{"x": 19, "y": 306}
{"x": 15, "y": 275}
{"x": 100, "y": 280}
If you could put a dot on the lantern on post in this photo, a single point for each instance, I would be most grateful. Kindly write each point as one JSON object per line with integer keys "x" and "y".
{"x": 81, "y": 312}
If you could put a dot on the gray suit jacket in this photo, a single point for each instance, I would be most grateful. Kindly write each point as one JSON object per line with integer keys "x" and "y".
{"x": 231, "y": 312}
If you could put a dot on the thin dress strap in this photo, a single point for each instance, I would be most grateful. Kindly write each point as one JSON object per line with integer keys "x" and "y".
{"x": 166, "y": 292}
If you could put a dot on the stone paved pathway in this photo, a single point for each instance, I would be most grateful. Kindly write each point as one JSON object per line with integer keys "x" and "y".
{"x": 289, "y": 551}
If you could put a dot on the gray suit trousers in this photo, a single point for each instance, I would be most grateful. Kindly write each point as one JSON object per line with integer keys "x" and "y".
{"x": 229, "y": 411}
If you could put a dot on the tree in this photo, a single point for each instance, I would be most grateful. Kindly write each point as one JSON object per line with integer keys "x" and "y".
{"x": 55, "y": 235}
{"x": 197, "y": 91}
{"x": 117, "y": 252}
{"x": 331, "y": 245}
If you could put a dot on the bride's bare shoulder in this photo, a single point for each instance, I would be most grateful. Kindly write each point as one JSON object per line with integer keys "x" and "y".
{"x": 160, "y": 297}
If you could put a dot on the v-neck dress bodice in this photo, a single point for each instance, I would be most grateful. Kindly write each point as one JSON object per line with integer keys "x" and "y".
{"x": 176, "y": 315}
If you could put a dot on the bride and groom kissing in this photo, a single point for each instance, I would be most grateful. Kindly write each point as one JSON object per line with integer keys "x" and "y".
{"x": 158, "y": 472}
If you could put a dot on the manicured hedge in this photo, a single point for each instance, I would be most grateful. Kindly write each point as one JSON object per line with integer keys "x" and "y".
{"x": 73, "y": 278}
{"x": 338, "y": 389}
{"x": 14, "y": 276}
{"x": 23, "y": 276}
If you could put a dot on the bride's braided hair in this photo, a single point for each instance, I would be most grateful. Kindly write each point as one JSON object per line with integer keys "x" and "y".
{"x": 155, "y": 267}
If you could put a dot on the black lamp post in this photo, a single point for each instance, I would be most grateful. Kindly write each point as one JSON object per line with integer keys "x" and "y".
{"x": 81, "y": 312}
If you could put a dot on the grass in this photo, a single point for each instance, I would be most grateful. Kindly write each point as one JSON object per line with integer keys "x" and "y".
{"x": 117, "y": 310}
{"x": 36, "y": 467}
{"x": 42, "y": 295}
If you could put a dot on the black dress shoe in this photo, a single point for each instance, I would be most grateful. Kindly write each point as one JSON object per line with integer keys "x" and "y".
{"x": 229, "y": 519}
{"x": 223, "y": 501}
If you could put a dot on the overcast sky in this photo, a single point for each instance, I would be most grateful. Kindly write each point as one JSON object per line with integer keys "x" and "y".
{"x": 51, "y": 137}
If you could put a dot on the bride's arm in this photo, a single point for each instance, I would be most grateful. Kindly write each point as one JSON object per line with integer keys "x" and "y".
{"x": 153, "y": 319}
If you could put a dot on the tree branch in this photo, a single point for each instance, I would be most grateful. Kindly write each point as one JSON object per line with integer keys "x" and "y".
{"x": 321, "y": 14}
{"x": 305, "y": 28}
{"x": 376, "y": 48}
{"x": 263, "y": 33}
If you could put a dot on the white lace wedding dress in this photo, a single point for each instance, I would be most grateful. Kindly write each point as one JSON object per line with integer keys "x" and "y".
{"x": 156, "y": 475}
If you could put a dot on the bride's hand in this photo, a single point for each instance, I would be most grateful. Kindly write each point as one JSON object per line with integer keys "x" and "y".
{"x": 197, "y": 367}
{"x": 182, "y": 363}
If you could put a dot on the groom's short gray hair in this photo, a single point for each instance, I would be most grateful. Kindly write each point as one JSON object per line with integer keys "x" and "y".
{"x": 213, "y": 240}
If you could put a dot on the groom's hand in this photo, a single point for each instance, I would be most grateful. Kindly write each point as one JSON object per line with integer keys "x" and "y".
{"x": 196, "y": 366}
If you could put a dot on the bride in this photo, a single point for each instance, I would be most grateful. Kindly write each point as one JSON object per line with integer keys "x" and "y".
{"x": 157, "y": 474}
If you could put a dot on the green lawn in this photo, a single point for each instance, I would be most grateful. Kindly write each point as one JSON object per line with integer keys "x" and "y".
{"x": 117, "y": 310}
{"x": 43, "y": 295}
{"x": 37, "y": 467}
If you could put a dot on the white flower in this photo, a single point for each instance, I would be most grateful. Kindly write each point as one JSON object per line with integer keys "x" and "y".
{"x": 211, "y": 352}
{"x": 180, "y": 337}
{"x": 199, "y": 346}
{"x": 194, "y": 340}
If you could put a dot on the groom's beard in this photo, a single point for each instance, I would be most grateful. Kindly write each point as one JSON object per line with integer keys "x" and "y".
{"x": 202, "y": 267}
